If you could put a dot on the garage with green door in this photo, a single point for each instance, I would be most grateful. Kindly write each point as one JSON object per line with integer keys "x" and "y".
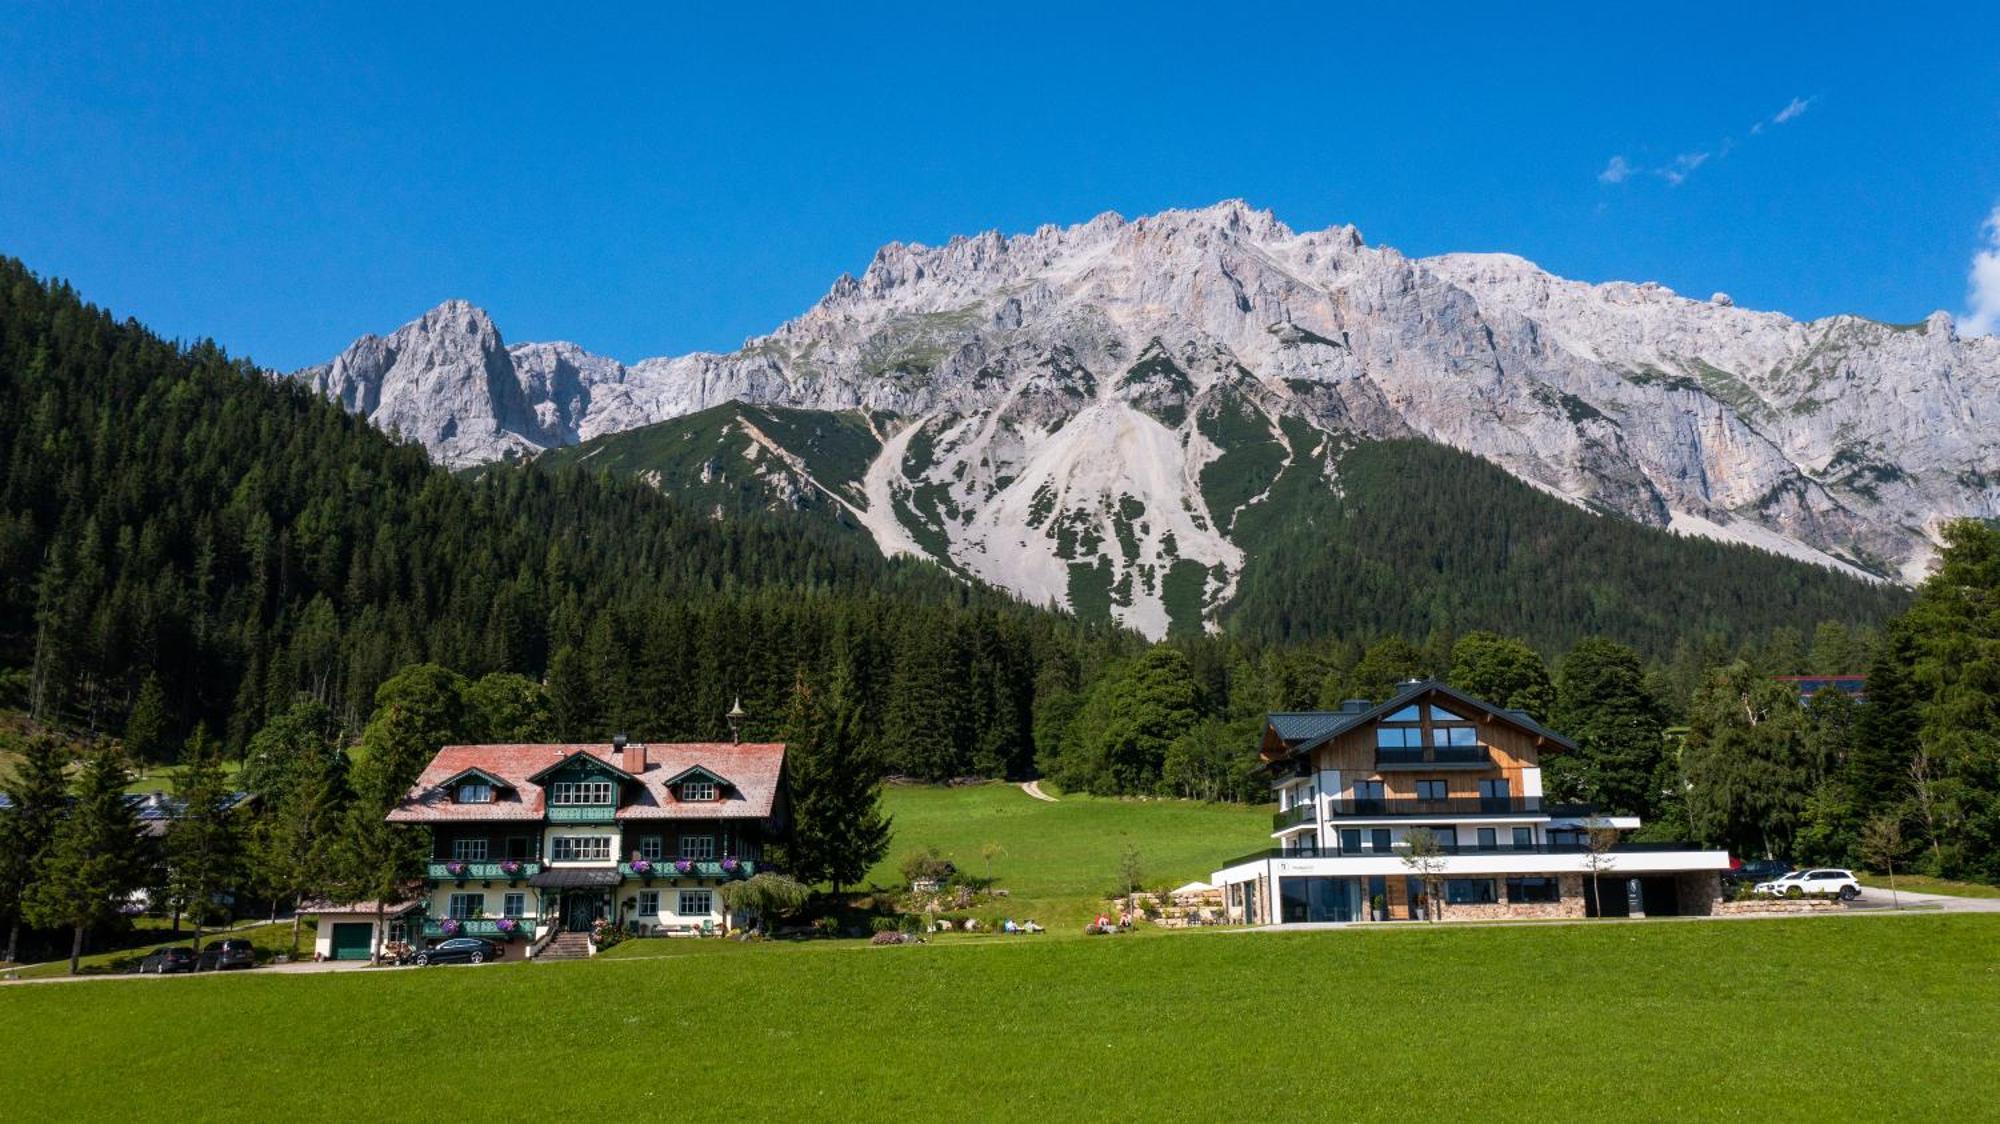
{"x": 351, "y": 939}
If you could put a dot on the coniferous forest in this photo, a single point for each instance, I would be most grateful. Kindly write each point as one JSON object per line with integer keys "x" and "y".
{"x": 196, "y": 559}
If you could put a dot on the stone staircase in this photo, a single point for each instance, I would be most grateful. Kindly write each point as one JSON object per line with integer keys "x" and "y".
{"x": 566, "y": 946}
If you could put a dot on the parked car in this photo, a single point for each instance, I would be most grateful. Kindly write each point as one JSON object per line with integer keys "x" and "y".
{"x": 1826, "y": 880}
{"x": 457, "y": 950}
{"x": 162, "y": 961}
{"x": 225, "y": 955}
{"x": 1754, "y": 871}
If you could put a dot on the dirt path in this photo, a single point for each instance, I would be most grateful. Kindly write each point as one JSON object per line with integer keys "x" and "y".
{"x": 1034, "y": 789}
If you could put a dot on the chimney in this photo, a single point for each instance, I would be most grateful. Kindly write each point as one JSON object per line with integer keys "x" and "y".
{"x": 1354, "y": 706}
{"x": 631, "y": 758}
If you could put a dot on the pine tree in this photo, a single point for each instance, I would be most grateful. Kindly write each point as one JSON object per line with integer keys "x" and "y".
{"x": 204, "y": 850}
{"x": 1603, "y": 705}
{"x": 148, "y": 734}
{"x": 37, "y": 795}
{"x": 98, "y": 857}
{"x": 838, "y": 827}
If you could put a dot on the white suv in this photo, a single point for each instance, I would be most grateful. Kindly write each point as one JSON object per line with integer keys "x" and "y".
{"x": 1824, "y": 880}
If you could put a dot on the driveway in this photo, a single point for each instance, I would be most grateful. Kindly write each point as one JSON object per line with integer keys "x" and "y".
{"x": 1876, "y": 898}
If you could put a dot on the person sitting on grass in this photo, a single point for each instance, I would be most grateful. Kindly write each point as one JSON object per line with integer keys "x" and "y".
{"x": 1009, "y": 927}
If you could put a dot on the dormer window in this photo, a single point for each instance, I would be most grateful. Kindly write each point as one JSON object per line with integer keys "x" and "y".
{"x": 475, "y": 792}
{"x": 580, "y": 792}
{"x": 697, "y": 790}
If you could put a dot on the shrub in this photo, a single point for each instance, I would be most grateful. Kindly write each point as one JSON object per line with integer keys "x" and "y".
{"x": 927, "y": 865}
{"x": 885, "y": 924}
{"x": 826, "y": 926}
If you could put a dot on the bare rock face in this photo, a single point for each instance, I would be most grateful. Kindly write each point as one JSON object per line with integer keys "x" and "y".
{"x": 1058, "y": 395}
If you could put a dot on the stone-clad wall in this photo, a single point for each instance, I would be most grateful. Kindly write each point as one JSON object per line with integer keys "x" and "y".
{"x": 1569, "y": 904}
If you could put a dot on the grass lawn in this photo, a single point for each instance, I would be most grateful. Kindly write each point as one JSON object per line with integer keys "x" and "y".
{"x": 1918, "y": 884}
{"x": 1630, "y": 1021}
{"x": 269, "y": 940}
{"x": 1058, "y": 860}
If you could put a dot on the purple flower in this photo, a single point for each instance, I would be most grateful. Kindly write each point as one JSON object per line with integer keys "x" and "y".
{"x": 729, "y": 865}
{"x": 641, "y": 867}
{"x": 685, "y": 866}
{"x": 449, "y": 926}
{"x": 455, "y": 867}
{"x": 510, "y": 867}
{"x": 506, "y": 924}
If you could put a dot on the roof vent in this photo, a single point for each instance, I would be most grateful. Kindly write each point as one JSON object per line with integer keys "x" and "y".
{"x": 618, "y": 742}
{"x": 1354, "y": 706}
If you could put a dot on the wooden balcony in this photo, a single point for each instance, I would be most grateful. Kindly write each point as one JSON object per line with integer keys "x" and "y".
{"x": 496, "y": 870}
{"x": 650, "y": 869}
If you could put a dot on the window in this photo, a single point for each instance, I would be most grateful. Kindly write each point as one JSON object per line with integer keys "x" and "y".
{"x": 1368, "y": 796}
{"x": 1378, "y": 840}
{"x": 696, "y": 902}
{"x": 580, "y": 792}
{"x": 1463, "y": 736}
{"x": 514, "y": 905}
{"x": 697, "y": 846}
{"x": 651, "y": 847}
{"x": 1440, "y": 714}
{"x": 697, "y": 790}
{"x": 1447, "y": 837}
{"x": 1468, "y": 891}
{"x": 1494, "y": 796}
{"x": 1350, "y": 841}
{"x": 475, "y": 792}
{"x": 1431, "y": 790}
{"x": 399, "y": 932}
{"x": 649, "y": 902}
{"x": 1500, "y": 787}
{"x": 519, "y": 847}
{"x": 468, "y": 850}
{"x": 1489, "y": 839}
{"x": 1533, "y": 890}
{"x": 467, "y": 906}
{"x": 580, "y": 848}
{"x": 1399, "y": 737}
{"x": 1407, "y": 714}
{"x": 1524, "y": 838}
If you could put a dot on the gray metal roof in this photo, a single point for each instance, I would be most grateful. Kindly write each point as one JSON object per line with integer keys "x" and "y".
{"x": 1306, "y": 730}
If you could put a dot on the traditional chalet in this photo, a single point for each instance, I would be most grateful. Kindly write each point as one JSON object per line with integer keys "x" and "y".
{"x": 531, "y": 841}
{"x": 1353, "y": 783}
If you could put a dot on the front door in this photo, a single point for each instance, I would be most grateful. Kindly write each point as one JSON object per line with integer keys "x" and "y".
{"x": 579, "y": 911}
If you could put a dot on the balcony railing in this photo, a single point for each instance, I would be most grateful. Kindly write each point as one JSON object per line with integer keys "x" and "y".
{"x": 697, "y": 868}
{"x": 1449, "y": 806}
{"x": 1295, "y": 815}
{"x": 481, "y": 927}
{"x": 1399, "y": 850}
{"x": 1439, "y": 757}
{"x": 461, "y": 870}
{"x": 583, "y": 813}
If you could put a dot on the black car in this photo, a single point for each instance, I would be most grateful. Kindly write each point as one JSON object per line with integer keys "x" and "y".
{"x": 162, "y": 961}
{"x": 1754, "y": 871}
{"x": 225, "y": 955}
{"x": 457, "y": 950}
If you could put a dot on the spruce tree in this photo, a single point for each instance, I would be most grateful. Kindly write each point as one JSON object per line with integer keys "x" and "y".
{"x": 291, "y": 853}
{"x": 98, "y": 857}
{"x": 838, "y": 827}
{"x": 148, "y": 730}
{"x": 204, "y": 848}
{"x": 37, "y": 797}
{"x": 1603, "y": 705}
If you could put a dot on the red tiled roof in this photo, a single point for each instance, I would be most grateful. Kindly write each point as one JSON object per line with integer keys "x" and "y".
{"x": 752, "y": 770}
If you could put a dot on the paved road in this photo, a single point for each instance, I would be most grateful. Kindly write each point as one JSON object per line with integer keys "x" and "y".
{"x": 1876, "y": 898}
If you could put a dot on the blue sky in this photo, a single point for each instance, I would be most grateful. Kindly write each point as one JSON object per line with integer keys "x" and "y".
{"x": 655, "y": 183}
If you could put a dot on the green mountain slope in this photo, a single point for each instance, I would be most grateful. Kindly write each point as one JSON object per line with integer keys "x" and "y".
{"x": 738, "y": 458}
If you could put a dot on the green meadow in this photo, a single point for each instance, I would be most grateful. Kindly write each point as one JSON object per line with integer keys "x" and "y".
{"x": 1812, "y": 1018}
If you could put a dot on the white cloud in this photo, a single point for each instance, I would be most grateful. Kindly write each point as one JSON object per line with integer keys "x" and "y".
{"x": 1617, "y": 171}
{"x": 1982, "y": 294}
{"x": 1683, "y": 167}
{"x": 1796, "y": 107}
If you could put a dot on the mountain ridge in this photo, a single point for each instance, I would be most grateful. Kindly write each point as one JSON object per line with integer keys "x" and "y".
{"x": 1001, "y": 369}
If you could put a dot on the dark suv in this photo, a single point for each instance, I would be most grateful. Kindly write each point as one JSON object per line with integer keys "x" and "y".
{"x": 225, "y": 955}
{"x": 457, "y": 950}
{"x": 1754, "y": 871}
{"x": 162, "y": 961}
